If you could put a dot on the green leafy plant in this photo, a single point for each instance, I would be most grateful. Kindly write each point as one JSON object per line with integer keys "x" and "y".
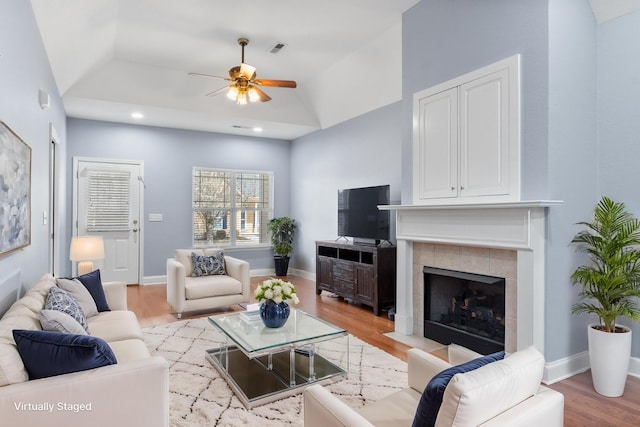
{"x": 611, "y": 283}
{"x": 282, "y": 232}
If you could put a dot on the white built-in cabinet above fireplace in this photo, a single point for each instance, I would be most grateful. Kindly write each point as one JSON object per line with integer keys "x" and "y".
{"x": 466, "y": 138}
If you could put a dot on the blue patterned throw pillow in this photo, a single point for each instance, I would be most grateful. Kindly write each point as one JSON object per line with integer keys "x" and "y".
{"x": 61, "y": 300}
{"x": 207, "y": 265}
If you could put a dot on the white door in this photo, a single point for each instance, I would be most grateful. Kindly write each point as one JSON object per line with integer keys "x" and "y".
{"x": 107, "y": 196}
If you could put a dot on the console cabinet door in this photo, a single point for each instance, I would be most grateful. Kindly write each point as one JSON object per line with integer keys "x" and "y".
{"x": 366, "y": 285}
{"x": 325, "y": 274}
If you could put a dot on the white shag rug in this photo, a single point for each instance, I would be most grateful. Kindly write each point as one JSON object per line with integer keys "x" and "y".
{"x": 199, "y": 396}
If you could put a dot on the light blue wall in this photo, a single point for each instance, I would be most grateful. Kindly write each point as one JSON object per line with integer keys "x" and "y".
{"x": 361, "y": 152}
{"x": 24, "y": 69}
{"x": 573, "y": 165}
{"x": 168, "y": 156}
{"x": 443, "y": 39}
{"x": 619, "y": 116}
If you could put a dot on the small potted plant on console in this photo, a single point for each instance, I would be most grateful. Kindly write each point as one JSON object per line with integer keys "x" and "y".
{"x": 282, "y": 232}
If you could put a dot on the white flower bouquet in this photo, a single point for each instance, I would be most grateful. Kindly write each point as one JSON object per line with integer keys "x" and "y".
{"x": 276, "y": 290}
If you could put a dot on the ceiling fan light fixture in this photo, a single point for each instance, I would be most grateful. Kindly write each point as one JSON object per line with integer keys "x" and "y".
{"x": 253, "y": 94}
{"x": 242, "y": 98}
{"x": 244, "y": 86}
{"x": 233, "y": 92}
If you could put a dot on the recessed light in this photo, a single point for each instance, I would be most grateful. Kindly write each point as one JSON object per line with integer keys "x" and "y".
{"x": 137, "y": 115}
{"x": 257, "y": 129}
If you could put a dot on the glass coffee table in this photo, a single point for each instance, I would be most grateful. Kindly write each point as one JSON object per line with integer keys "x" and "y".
{"x": 263, "y": 364}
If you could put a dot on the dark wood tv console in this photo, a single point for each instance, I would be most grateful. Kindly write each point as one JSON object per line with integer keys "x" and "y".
{"x": 364, "y": 274}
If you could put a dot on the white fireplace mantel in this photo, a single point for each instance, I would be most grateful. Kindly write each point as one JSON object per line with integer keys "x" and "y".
{"x": 512, "y": 225}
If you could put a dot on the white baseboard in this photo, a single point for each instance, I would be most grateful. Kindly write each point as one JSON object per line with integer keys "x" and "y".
{"x": 154, "y": 280}
{"x": 575, "y": 364}
{"x": 272, "y": 273}
{"x": 263, "y": 272}
{"x": 634, "y": 367}
{"x": 302, "y": 273}
{"x": 564, "y": 368}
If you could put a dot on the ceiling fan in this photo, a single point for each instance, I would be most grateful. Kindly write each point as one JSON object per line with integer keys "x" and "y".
{"x": 244, "y": 84}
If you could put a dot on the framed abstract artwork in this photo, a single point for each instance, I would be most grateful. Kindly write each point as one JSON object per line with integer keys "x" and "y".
{"x": 15, "y": 191}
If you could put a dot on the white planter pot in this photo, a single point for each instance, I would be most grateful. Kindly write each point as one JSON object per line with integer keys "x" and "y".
{"x": 609, "y": 356}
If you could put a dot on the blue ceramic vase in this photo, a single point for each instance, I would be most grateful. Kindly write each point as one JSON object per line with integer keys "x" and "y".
{"x": 274, "y": 315}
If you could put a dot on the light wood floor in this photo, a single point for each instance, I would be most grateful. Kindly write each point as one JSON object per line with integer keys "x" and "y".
{"x": 583, "y": 406}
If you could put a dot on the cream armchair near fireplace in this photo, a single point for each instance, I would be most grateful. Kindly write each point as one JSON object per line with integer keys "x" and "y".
{"x": 503, "y": 393}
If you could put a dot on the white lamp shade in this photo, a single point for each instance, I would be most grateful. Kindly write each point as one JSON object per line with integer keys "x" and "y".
{"x": 86, "y": 248}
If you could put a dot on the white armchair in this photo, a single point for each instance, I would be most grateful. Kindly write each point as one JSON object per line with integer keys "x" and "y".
{"x": 187, "y": 293}
{"x": 504, "y": 393}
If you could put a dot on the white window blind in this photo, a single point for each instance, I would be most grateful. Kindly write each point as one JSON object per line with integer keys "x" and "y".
{"x": 108, "y": 200}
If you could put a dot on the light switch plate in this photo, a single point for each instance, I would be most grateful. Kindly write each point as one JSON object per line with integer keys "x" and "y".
{"x": 155, "y": 217}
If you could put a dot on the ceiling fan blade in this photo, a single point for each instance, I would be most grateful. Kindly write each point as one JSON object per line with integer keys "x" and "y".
{"x": 210, "y": 76}
{"x": 247, "y": 71}
{"x": 215, "y": 92}
{"x": 263, "y": 96}
{"x": 276, "y": 83}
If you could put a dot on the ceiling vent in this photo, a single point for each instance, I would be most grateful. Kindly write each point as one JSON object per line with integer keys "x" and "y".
{"x": 277, "y": 47}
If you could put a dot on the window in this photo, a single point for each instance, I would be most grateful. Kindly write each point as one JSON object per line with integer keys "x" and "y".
{"x": 231, "y": 208}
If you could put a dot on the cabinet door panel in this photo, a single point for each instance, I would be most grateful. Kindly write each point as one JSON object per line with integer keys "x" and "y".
{"x": 437, "y": 146}
{"x": 325, "y": 274}
{"x": 365, "y": 285}
{"x": 484, "y": 134}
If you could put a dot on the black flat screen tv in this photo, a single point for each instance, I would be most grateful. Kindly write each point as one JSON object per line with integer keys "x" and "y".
{"x": 358, "y": 213}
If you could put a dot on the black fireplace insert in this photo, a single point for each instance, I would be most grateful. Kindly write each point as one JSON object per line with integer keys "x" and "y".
{"x": 464, "y": 308}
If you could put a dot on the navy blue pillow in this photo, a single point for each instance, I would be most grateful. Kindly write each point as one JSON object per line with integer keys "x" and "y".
{"x": 46, "y": 353}
{"x": 92, "y": 282}
{"x": 431, "y": 399}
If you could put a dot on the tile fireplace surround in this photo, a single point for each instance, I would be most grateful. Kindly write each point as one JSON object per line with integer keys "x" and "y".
{"x": 478, "y": 260}
{"x": 497, "y": 239}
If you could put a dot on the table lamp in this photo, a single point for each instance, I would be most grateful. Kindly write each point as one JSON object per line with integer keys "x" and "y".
{"x": 86, "y": 249}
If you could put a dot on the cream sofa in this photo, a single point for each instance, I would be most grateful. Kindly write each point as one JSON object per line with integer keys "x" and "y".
{"x": 503, "y": 393}
{"x": 187, "y": 293}
{"x": 133, "y": 392}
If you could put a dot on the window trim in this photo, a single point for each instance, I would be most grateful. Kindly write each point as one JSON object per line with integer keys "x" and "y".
{"x": 232, "y": 245}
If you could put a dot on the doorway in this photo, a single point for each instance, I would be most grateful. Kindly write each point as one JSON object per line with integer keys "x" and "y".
{"x": 53, "y": 215}
{"x": 108, "y": 202}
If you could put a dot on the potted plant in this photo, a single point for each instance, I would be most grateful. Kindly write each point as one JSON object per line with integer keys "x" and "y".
{"x": 282, "y": 231}
{"x": 610, "y": 288}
